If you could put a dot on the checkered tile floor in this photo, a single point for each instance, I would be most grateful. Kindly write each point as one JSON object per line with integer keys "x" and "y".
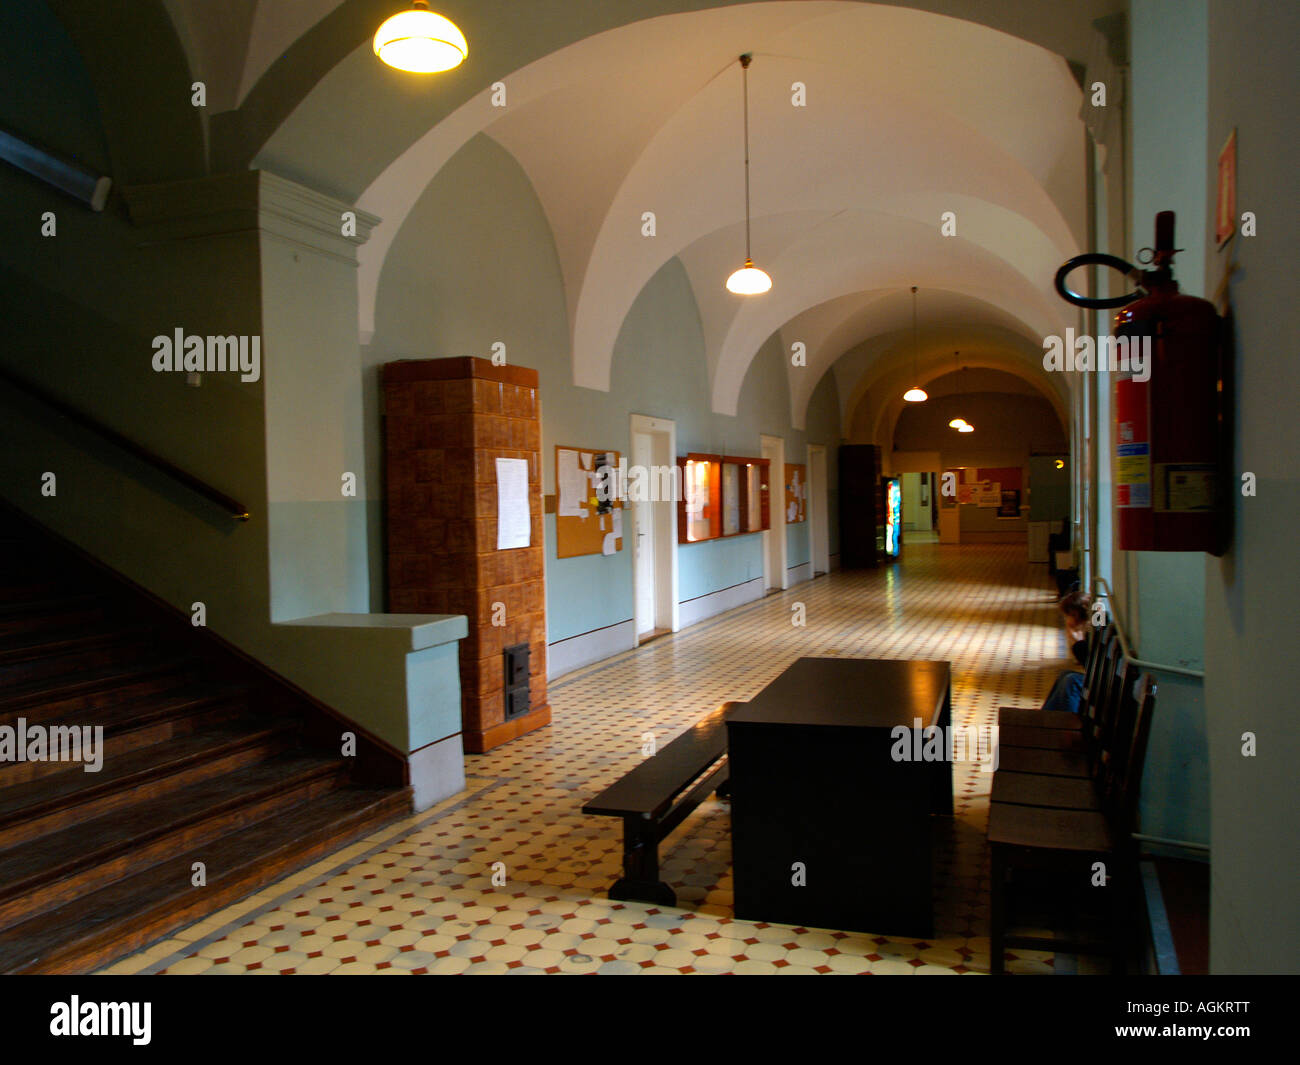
{"x": 419, "y": 896}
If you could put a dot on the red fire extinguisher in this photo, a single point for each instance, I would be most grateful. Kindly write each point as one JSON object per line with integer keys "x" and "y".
{"x": 1171, "y": 438}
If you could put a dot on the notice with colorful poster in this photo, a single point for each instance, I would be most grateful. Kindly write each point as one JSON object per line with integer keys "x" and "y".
{"x": 1133, "y": 448}
{"x": 988, "y": 495}
{"x": 796, "y": 493}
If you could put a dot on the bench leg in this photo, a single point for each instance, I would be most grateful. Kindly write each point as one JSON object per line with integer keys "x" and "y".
{"x": 640, "y": 881}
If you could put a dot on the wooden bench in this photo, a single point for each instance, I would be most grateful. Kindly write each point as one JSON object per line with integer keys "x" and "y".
{"x": 657, "y": 796}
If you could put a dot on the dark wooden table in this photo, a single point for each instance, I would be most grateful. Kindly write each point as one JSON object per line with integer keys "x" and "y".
{"x": 815, "y": 784}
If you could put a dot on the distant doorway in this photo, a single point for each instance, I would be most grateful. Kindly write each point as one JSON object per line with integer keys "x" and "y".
{"x": 654, "y": 531}
{"x": 774, "y": 574}
{"x": 819, "y": 533}
{"x": 920, "y": 506}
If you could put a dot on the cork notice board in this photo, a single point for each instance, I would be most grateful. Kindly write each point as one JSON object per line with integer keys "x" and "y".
{"x": 580, "y": 527}
{"x": 796, "y": 493}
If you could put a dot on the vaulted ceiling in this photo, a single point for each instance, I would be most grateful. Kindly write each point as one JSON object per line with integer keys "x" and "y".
{"x": 620, "y": 108}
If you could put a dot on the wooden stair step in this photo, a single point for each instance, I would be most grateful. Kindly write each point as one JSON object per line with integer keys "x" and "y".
{"x": 90, "y": 931}
{"x": 126, "y": 647}
{"x": 20, "y": 588}
{"x": 50, "y": 803}
{"x": 134, "y": 710}
{"x": 45, "y": 872}
{"x": 52, "y": 644}
{"x": 53, "y": 605}
{"x": 97, "y": 685}
{"x": 134, "y": 724}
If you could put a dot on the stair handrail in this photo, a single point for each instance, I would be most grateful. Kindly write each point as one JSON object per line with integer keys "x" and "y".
{"x": 232, "y": 506}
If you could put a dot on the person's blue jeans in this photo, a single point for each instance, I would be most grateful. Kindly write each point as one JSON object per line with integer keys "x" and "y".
{"x": 1066, "y": 693}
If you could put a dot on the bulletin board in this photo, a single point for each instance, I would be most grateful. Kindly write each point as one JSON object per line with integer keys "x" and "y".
{"x": 796, "y": 493}
{"x": 580, "y": 526}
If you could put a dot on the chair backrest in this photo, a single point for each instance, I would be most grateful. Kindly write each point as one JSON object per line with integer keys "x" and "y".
{"x": 1117, "y": 732}
{"x": 1120, "y": 801}
{"x": 1099, "y": 712}
{"x": 1098, "y": 641}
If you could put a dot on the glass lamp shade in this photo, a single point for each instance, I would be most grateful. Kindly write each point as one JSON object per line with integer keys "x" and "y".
{"x": 915, "y": 395}
{"x": 420, "y": 41}
{"x": 966, "y": 429}
{"x": 956, "y": 423}
{"x": 749, "y": 280}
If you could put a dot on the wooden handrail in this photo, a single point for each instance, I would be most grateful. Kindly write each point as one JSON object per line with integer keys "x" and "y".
{"x": 233, "y": 507}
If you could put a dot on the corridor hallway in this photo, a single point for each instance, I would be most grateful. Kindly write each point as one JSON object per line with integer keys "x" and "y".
{"x": 418, "y": 897}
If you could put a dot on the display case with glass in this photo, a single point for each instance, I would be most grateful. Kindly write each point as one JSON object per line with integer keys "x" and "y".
{"x": 721, "y": 496}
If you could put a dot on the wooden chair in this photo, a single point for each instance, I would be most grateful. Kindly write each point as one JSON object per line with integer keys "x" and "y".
{"x": 1055, "y": 737}
{"x": 1023, "y": 750}
{"x": 1067, "y": 844}
{"x": 1028, "y": 717}
{"x": 1014, "y": 785}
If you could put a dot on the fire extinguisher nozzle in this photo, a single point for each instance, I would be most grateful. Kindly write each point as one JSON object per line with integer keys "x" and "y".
{"x": 1165, "y": 231}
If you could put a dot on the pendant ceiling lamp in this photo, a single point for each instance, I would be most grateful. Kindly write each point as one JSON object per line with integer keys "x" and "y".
{"x": 960, "y": 424}
{"x": 749, "y": 280}
{"x": 915, "y": 394}
{"x": 420, "y": 41}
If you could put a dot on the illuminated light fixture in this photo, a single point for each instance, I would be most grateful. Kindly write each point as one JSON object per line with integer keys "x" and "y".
{"x": 749, "y": 280}
{"x": 960, "y": 424}
{"x": 420, "y": 41}
{"x": 915, "y": 394}
{"x": 1060, "y": 464}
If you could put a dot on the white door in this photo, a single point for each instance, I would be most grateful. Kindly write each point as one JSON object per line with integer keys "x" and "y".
{"x": 818, "y": 510}
{"x": 653, "y": 525}
{"x": 643, "y": 542}
{"x": 774, "y": 574}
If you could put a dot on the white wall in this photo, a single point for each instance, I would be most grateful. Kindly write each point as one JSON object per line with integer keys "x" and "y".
{"x": 1254, "y": 83}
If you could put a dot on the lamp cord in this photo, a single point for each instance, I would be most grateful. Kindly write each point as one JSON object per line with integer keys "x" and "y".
{"x": 914, "y": 342}
{"x": 744, "y": 66}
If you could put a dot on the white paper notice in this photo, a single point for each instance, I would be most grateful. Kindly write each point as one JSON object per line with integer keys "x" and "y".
{"x": 618, "y": 523}
{"x": 571, "y": 487}
{"x": 607, "y": 545}
{"x": 514, "y": 526}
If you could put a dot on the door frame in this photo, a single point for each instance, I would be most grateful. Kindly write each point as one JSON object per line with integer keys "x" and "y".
{"x": 819, "y": 533}
{"x": 774, "y": 550}
{"x": 663, "y": 451}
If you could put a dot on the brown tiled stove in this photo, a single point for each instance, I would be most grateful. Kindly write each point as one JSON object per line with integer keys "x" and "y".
{"x": 446, "y": 422}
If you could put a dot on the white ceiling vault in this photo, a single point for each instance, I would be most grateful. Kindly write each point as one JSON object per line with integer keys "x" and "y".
{"x": 909, "y": 114}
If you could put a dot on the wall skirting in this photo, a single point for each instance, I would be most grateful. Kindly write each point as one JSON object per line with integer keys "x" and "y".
{"x": 705, "y": 606}
{"x": 564, "y": 656}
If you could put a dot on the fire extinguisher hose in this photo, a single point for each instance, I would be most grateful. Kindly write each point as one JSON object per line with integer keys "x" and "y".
{"x": 1097, "y": 259}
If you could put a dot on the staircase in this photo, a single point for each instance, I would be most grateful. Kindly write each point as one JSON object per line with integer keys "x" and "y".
{"x": 206, "y": 758}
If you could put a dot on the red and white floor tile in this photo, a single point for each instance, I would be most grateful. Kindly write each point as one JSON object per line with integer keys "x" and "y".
{"x": 419, "y": 896}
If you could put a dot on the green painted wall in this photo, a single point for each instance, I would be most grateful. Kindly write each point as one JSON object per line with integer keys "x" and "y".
{"x": 1250, "y": 592}
{"x": 1165, "y": 603}
{"x": 475, "y": 264}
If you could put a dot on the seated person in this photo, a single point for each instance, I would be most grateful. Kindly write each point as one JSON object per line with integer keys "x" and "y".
{"x": 1067, "y": 692}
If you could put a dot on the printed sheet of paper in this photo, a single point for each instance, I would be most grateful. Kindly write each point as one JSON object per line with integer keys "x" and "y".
{"x": 514, "y": 526}
{"x": 572, "y": 487}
